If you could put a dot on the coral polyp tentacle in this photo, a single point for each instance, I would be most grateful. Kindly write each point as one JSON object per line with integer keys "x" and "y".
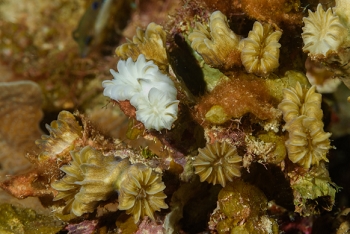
{"x": 260, "y": 52}
{"x": 89, "y": 178}
{"x": 218, "y": 45}
{"x": 323, "y": 32}
{"x": 152, "y": 93}
{"x": 141, "y": 192}
{"x": 218, "y": 163}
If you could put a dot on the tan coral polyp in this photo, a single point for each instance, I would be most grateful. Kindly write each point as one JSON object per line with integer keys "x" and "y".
{"x": 218, "y": 163}
{"x": 260, "y": 53}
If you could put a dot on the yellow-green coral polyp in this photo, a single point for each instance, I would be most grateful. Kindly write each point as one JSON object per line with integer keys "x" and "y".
{"x": 218, "y": 163}
{"x": 90, "y": 178}
{"x": 141, "y": 192}
{"x": 260, "y": 51}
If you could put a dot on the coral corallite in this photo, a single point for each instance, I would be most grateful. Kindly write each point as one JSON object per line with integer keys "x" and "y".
{"x": 126, "y": 83}
{"x": 141, "y": 192}
{"x": 219, "y": 47}
{"x": 63, "y": 133}
{"x": 150, "y": 42}
{"x": 152, "y": 93}
{"x": 323, "y": 32}
{"x": 218, "y": 163}
{"x": 90, "y": 178}
{"x": 308, "y": 144}
{"x": 158, "y": 111}
{"x": 297, "y": 101}
{"x": 260, "y": 51}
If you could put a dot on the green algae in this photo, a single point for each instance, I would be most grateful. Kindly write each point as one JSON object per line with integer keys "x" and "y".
{"x": 244, "y": 207}
{"x": 17, "y": 220}
{"x": 217, "y": 115}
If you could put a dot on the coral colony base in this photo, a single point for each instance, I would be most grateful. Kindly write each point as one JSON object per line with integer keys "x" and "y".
{"x": 237, "y": 157}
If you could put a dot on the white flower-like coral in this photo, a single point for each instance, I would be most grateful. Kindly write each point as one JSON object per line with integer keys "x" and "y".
{"x": 323, "y": 32}
{"x": 127, "y": 81}
{"x": 219, "y": 45}
{"x": 152, "y": 93}
{"x": 158, "y": 111}
{"x": 261, "y": 51}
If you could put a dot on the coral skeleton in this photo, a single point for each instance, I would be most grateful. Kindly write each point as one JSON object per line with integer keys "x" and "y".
{"x": 218, "y": 163}
{"x": 260, "y": 52}
{"x": 323, "y": 32}
{"x": 141, "y": 192}
{"x": 90, "y": 178}
{"x": 152, "y": 93}
{"x": 219, "y": 45}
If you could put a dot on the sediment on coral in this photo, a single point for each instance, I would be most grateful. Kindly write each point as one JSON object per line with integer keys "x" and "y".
{"x": 275, "y": 12}
{"x": 244, "y": 93}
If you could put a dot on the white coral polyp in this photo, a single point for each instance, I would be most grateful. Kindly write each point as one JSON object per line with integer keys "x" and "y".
{"x": 126, "y": 82}
{"x": 158, "y": 111}
{"x": 323, "y": 32}
{"x": 152, "y": 93}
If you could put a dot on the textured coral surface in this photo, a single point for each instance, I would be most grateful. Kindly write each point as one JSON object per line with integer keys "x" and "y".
{"x": 163, "y": 116}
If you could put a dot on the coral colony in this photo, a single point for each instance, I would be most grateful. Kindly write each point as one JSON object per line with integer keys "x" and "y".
{"x": 252, "y": 140}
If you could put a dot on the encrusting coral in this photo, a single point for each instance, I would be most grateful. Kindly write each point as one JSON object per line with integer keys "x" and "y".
{"x": 152, "y": 93}
{"x": 260, "y": 52}
{"x": 323, "y": 32}
{"x": 90, "y": 178}
{"x": 141, "y": 192}
{"x": 218, "y": 163}
{"x": 150, "y": 42}
{"x": 219, "y": 45}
